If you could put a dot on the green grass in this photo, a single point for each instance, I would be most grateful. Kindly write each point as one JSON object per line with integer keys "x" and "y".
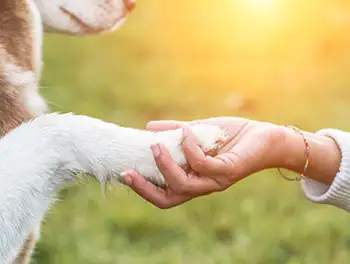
{"x": 177, "y": 60}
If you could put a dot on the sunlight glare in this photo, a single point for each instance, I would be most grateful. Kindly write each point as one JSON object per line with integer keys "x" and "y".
{"x": 260, "y": 5}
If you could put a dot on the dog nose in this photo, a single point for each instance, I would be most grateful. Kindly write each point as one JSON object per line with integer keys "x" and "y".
{"x": 130, "y": 4}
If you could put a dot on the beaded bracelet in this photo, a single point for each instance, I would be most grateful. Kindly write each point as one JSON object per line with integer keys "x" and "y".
{"x": 307, "y": 154}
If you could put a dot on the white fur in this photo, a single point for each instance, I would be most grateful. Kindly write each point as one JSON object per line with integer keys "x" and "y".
{"x": 37, "y": 35}
{"x": 95, "y": 16}
{"x": 98, "y": 16}
{"x": 14, "y": 75}
{"x": 26, "y": 83}
{"x": 53, "y": 149}
{"x": 38, "y": 157}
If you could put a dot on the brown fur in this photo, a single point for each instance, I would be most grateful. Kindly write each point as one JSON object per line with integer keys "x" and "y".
{"x": 12, "y": 110}
{"x": 16, "y": 43}
{"x": 15, "y": 32}
{"x": 25, "y": 254}
{"x": 15, "y": 40}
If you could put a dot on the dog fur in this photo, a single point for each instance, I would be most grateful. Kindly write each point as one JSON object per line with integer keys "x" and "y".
{"x": 40, "y": 152}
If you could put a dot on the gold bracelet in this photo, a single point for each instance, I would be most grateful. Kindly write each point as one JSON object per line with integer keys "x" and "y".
{"x": 307, "y": 154}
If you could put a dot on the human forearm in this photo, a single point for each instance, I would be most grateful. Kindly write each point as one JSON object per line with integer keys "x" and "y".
{"x": 254, "y": 146}
{"x": 325, "y": 155}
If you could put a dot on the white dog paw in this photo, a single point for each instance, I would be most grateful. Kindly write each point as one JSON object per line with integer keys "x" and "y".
{"x": 135, "y": 153}
{"x": 209, "y": 137}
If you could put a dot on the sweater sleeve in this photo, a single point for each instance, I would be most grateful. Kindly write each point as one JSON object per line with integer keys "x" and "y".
{"x": 338, "y": 193}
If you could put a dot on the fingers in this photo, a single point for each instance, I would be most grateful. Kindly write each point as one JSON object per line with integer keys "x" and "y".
{"x": 201, "y": 163}
{"x": 164, "y": 125}
{"x": 182, "y": 187}
{"x": 163, "y": 199}
{"x": 172, "y": 172}
{"x": 176, "y": 177}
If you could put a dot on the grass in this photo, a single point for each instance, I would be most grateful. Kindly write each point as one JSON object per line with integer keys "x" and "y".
{"x": 187, "y": 60}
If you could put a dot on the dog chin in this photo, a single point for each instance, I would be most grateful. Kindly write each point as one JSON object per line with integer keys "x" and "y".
{"x": 77, "y": 30}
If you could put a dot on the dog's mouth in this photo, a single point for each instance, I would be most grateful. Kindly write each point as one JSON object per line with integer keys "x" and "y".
{"x": 85, "y": 27}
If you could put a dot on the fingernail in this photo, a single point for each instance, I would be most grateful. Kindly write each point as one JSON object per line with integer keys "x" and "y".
{"x": 126, "y": 178}
{"x": 156, "y": 151}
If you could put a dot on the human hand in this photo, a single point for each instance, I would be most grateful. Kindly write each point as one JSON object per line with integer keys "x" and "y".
{"x": 251, "y": 146}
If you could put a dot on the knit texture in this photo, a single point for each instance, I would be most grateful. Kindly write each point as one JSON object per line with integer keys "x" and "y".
{"x": 337, "y": 194}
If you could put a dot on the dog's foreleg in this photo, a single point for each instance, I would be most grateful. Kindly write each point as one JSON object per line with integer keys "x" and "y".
{"x": 39, "y": 157}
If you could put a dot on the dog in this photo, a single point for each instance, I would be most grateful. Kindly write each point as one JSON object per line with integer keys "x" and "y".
{"x": 40, "y": 151}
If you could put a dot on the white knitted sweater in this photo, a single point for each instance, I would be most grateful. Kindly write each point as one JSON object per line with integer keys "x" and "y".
{"x": 337, "y": 194}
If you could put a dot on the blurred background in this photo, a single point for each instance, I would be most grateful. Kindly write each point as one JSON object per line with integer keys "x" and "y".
{"x": 284, "y": 61}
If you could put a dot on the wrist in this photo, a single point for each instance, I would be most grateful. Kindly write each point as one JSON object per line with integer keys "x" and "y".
{"x": 324, "y": 160}
{"x": 293, "y": 156}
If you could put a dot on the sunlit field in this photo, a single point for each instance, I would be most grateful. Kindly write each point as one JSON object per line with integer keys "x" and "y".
{"x": 284, "y": 61}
